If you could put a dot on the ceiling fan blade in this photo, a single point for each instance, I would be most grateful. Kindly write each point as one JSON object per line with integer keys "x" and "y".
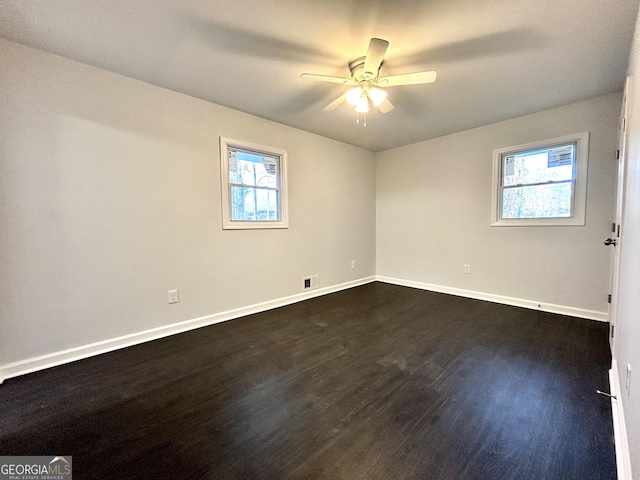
{"x": 386, "y": 106}
{"x": 325, "y": 78}
{"x": 375, "y": 54}
{"x": 408, "y": 79}
{"x": 335, "y": 103}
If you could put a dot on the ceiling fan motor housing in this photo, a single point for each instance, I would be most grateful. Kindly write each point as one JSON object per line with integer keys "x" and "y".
{"x": 356, "y": 67}
{"x": 364, "y": 80}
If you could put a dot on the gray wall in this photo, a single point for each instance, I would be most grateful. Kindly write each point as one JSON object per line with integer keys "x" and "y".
{"x": 111, "y": 196}
{"x": 434, "y": 214}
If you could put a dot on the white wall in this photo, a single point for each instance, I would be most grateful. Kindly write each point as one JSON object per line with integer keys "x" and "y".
{"x": 434, "y": 213}
{"x": 627, "y": 345}
{"x": 110, "y": 196}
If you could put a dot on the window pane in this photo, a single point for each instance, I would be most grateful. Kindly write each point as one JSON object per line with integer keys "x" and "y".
{"x": 254, "y": 204}
{"x": 539, "y": 201}
{"x": 538, "y": 166}
{"x": 250, "y": 168}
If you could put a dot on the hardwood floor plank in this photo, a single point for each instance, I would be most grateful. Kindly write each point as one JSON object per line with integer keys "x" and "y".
{"x": 375, "y": 382}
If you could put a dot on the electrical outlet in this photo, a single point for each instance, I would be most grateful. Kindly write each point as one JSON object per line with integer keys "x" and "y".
{"x": 353, "y": 264}
{"x": 628, "y": 382}
{"x": 466, "y": 268}
{"x": 310, "y": 282}
{"x": 173, "y": 296}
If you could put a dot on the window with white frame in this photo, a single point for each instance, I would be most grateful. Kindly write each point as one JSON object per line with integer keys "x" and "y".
{"x": 541, "y": 183}
{"x": 254, "y": 185}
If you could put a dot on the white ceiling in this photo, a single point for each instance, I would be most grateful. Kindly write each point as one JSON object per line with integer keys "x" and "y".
{"x": 496, "y": 59}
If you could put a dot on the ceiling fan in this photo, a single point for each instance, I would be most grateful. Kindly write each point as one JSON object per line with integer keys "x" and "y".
{"x": 365, "y": 78}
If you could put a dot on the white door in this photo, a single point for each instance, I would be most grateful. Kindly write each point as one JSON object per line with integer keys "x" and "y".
{"x": 617, "y": 229}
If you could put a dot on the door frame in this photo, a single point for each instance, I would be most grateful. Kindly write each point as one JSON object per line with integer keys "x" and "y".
{"x": 619, "y": 212}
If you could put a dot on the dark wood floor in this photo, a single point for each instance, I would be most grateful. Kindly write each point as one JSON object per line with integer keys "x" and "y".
{"x": 376, "y": 382}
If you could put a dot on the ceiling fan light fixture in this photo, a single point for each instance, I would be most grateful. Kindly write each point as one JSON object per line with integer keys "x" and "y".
{"x": 353, "y": 96}
{"x": 365, "y": 78}
{"x": 377, "y": 96}
{"x": 363, "y": 105}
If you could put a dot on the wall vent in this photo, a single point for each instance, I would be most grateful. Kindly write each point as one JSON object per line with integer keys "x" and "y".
{"x": 310, "y": 282}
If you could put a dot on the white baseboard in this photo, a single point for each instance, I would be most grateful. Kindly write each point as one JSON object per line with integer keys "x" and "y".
{"x": 623, "y": 456}
{"x": 490, "y": 297}
{"x": 29, "y": 365}
{"x": 77, "y": 353}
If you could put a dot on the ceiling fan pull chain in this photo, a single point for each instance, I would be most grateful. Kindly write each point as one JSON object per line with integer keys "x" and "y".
{"x": 364, "y": 118}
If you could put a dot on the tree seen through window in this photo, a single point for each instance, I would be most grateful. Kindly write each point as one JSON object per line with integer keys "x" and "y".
{"x": 253, "y": 179}
{"x": 538, "y": 184}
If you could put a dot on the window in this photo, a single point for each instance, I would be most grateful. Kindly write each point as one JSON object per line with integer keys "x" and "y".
{"x": 541, "y": 183}
{"x": 254, "y": 183}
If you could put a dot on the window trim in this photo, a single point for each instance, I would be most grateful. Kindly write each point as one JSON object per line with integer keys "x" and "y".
{"x": 225, "y": 186}
{"x": 579, "y": 199}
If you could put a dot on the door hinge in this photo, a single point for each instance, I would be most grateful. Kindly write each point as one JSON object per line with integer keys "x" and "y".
{"x": 618, "y": 233}
{"x": 624, "y": 123}
{"x": 609, "y": 298}
{"x": 617, "y": 154}
{"x": 612, "y": 329}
